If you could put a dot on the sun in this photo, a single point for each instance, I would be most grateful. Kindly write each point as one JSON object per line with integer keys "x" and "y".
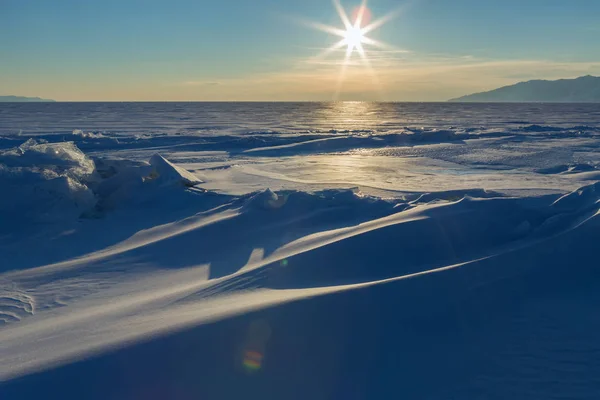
{"x": 353, "y": 37}
{"x": 354, "y": 32}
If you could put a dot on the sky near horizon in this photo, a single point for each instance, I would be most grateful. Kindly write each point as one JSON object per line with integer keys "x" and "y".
{"x": 108, "y": 50}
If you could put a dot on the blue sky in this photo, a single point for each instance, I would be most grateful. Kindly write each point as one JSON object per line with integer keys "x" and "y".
{"x": 265, "y": 49}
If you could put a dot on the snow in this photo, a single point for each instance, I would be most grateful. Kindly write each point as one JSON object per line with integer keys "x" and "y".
{"x": 432, "y": 262}
{"x": 45, "y": 180}
{"x": 166, "y": 173}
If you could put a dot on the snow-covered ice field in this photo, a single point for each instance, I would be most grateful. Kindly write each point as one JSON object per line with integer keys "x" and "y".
{"x": 294, "y": 251}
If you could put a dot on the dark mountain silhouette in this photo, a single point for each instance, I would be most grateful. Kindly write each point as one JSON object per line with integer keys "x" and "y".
{"x": 585, "y": 89}
{"x": 22, "y": 99}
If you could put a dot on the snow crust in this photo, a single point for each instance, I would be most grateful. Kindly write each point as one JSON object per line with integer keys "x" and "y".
{"x": 423, "y": 263}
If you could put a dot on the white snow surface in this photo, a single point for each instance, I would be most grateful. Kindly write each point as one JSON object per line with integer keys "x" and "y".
{"x": 421, "y": 263}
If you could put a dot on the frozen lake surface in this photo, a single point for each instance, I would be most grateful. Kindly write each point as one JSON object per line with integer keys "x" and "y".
{"x": 299, "y": 250}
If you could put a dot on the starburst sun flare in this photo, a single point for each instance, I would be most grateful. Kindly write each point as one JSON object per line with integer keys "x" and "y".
{"x": 353, "y": 37}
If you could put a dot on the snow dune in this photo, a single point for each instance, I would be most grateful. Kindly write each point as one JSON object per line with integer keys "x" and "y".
{"x": 124, "y": 276}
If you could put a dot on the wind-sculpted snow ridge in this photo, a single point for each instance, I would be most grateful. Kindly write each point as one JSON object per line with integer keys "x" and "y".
{"x": 326, "y": 264}
{"x": 409, "y": 286}
{"x": 14, "y": 305}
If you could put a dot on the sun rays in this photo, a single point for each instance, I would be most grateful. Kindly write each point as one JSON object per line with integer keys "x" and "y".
{"x": 353, "y": 37}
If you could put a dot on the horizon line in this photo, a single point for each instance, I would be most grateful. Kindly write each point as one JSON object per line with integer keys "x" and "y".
{"x": 449, "y": 101}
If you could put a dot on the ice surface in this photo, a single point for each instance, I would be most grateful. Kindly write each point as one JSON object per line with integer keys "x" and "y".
{"x": 62, "y": 158}
{"x": 359, "y": 259}
{"x": 166, "y": 173}
{"x": 44, "y": 181}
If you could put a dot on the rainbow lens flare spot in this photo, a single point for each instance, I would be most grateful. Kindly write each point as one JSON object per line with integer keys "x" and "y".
{"x": 253, "y": 360}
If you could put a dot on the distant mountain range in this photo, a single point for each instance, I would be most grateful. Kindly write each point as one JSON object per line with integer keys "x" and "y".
{"x": 585, "y": 89}
{"x": 22, "y": 99}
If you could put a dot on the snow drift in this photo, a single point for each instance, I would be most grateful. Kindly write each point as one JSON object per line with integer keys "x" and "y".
{"x": 338, "y": 262}
{"x": 422, "y": 288}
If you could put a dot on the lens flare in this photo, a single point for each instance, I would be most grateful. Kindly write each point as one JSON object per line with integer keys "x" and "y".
{"x": 253, "y": 353}
{"x": 253, "y": 360}
{"x": 353, "y": 37}
{"x": 364, "y": 13}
